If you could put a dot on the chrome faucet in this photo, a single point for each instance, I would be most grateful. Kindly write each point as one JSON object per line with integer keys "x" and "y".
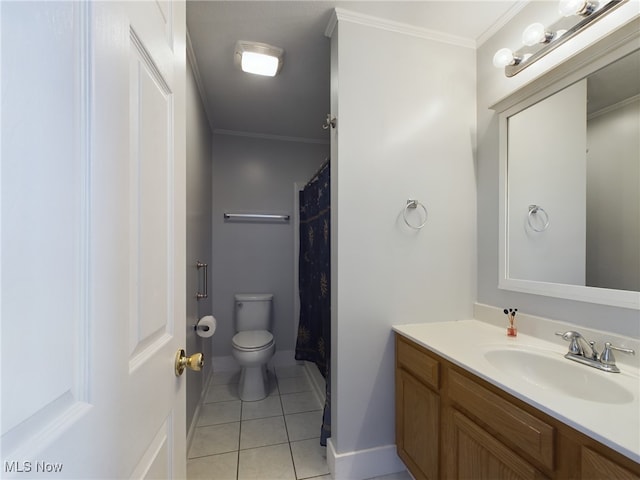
{"x": 582, "y": 351}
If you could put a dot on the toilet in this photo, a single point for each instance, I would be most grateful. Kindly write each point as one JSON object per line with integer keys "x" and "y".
{"x": 253, "y": 344}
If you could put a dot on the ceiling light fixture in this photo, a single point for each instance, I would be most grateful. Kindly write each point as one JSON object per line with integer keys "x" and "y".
{"x": 258, "y": 58}
{"x": 536, "y": 33}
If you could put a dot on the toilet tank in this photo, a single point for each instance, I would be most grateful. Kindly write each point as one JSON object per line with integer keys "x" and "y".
{"x": 253, "y": 311}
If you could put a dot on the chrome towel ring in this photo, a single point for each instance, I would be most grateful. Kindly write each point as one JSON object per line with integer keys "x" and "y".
{"x": 537, "y": 211}
{"x": 412, "y": 205}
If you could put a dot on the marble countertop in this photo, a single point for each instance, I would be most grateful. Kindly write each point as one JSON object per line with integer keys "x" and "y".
{"x": 465, "y": 343}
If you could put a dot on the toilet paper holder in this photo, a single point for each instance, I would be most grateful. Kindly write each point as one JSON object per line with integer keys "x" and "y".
{"x": 205, "y": 327}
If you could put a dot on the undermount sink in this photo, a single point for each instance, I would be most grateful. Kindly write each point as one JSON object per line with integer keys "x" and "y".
{"x": 551, "y": 371}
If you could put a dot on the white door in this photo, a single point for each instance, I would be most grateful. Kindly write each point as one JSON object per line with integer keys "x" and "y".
{"x": 93, "y": 239}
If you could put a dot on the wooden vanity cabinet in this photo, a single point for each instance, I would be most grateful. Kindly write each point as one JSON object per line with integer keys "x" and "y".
{"x": 451, "y": 424}
{"x": 417, "y": 410}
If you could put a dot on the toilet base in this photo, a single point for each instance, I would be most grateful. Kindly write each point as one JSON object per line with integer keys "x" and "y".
{"x": 253, "y": 384}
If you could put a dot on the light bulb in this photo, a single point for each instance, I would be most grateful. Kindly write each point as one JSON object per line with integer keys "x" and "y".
{"x": 504, "y": 57}
{"x": 576, "y": 7}
{"x": 259, "y": 64}
{"x": 536, "y": 33}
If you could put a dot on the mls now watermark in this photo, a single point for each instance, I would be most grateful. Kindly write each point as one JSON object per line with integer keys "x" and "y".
{"x": 28, "y": 467}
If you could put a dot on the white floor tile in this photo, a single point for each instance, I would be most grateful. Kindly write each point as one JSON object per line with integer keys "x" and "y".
{"x": 215, "y": 439}
{"x": 300, "y": 402}
{"x": 222, "y": 393}
{"x": 273, "y": 463}
{"x": 262, "y": 432}
{"x": 224, "y": 378}
{"x": 303, "y": 426}
{"x": 309, "y": 458}
{"x": 218, "y": 467}
{"x": 260, "y": 440}
{"x": 290, "y": 371}
{"x": 219, "y": 412}
{"x": 268, "y": 407}
{"x": 294, "y": 385}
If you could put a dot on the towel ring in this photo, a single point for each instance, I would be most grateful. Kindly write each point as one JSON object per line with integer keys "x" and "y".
{"x": 413, "y": 204}
{"x": 536, "y": 210}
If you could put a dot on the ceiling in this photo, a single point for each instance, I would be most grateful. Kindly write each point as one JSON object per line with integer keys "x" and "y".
{"x": 295, "y": 102}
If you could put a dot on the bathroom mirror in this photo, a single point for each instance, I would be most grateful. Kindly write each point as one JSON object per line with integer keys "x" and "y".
{"x": 570, "y": 178}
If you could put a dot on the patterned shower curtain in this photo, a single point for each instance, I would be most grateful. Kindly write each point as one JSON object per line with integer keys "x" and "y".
{"x": 314, "y": 330}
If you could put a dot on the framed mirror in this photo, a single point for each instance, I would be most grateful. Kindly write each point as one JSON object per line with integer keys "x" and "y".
{"x": 570, "y": 177}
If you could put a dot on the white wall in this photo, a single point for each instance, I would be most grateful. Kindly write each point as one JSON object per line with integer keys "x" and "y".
{"x": 613, "y": 198}
{"x": 492, "y": 86}
{"x": 256, "y": 175}
{"x": 405, "y": 109}
{"x": 198, "y": 232}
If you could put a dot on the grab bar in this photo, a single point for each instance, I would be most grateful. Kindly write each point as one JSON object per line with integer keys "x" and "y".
{"x": 199, "y": 295}
{"x": 255, "y": 216}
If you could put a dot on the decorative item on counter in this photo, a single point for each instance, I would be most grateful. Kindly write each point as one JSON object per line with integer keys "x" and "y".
{"x": 512, "y": 331}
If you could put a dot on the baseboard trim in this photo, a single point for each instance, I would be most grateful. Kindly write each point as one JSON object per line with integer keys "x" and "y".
{"x": 317, "y": 381}
{"x": 361, "y": 464}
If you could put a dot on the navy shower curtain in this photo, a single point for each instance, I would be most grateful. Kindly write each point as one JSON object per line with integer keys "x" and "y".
{"x": 314, "y": 330}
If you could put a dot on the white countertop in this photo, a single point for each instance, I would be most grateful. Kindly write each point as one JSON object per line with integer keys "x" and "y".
{"x": 464, "y": 343}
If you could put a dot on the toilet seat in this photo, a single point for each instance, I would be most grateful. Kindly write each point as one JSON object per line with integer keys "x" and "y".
{"x": 251, "y": 340}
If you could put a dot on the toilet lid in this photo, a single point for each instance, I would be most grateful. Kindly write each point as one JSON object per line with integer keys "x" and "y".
{"x": 252, "y": 339}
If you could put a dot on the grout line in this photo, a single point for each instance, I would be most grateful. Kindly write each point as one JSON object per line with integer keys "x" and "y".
{"x": 293, "y": 463}
{"x": 239, "y": 438}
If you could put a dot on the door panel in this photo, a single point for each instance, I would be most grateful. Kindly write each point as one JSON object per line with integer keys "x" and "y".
{"x": 149, "y": 201}
{"x": 93, "y": 238}
{"x": 44, "y": 229}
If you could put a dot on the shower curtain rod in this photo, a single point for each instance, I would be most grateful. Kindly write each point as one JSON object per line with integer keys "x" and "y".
{"x": 315, "y": 175}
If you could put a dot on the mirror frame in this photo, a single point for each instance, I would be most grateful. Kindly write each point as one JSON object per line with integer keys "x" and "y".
{"x": 615, "y": 45}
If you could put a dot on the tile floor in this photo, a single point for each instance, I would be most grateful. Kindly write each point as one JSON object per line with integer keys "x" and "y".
{"x": 274, "y": 438}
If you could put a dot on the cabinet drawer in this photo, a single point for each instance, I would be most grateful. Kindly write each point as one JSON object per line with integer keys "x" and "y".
{"x": 515, "y": 427}
{"x": 411, "y": 358}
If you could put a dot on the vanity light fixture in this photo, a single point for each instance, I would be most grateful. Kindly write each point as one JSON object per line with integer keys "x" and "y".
{"x": 537, "y": 34}
{"x": 258, "y": 58}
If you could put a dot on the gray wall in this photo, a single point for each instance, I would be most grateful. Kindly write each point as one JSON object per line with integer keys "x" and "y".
{"x": 198, "y": 232}
{"x": 492, "y": 86}
{"x": 256, "y": 175}
{"x": 613, "y": 190}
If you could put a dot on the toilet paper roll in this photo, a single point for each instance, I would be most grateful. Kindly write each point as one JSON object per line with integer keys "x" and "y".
{"x": 206, "y": 326}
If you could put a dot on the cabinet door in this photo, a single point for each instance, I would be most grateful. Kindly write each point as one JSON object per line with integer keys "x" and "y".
{"x": 417, "y": 425}
{"x": 596, "y": 467}
{"x": 479, "y": 456}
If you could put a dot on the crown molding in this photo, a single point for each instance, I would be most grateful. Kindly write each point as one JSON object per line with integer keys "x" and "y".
{"x": 342, "y": 15}
{"x": 191, "y": 58}
{"x": 501, "y": 22}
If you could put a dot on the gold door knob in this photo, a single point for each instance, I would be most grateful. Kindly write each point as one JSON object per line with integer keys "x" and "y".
{"x": 194, "y": 362}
